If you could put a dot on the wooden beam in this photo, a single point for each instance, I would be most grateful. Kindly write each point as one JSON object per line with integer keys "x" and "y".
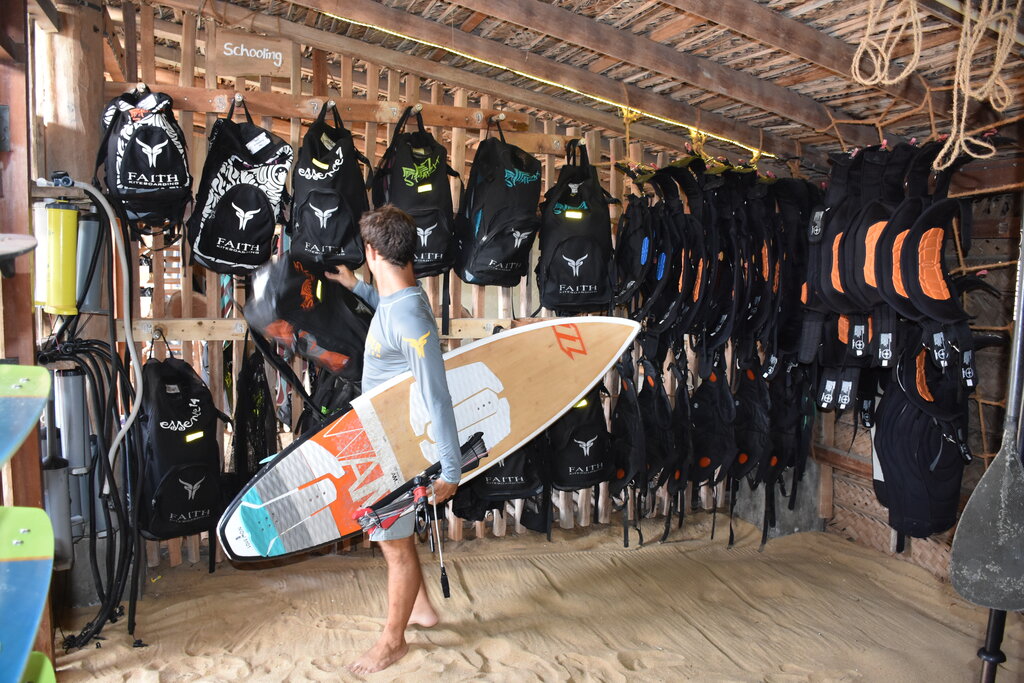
{"x": 623, "y": 45}
{"x": 673, "y": 27}
{"x": 46, "y": 14}
{"x": 985, "y": 176}
{"x": 234, "y": 329}
{"x": 10, "y": 49}
{"x": 474, "y": 20}
{"x": 580, "y": 79}
{"x": 539, "y": 143}
{"x": 303, "y": 106}
{"x": 765, "y": 25}
{"x": 840, "y": 460}
{"x": 953, "y": 13}
{"x": 116, "y": 64}
{"x": 452, "y": 76}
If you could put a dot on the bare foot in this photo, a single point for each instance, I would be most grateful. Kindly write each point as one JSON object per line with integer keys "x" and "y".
{"x": 379, "y": 657}
{"x": 423, "y": 616}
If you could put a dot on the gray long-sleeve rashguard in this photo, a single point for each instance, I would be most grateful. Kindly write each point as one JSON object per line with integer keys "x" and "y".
{"x": 403, "y": 337}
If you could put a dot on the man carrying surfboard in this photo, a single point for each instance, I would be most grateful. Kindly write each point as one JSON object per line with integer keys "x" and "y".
{"x": 402, "y": 337}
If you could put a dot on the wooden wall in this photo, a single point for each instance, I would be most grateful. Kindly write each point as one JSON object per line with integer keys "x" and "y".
{"x": 370, "y": 100}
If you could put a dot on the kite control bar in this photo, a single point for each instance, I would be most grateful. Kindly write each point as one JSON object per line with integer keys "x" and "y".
{"x": 391, "y": 507}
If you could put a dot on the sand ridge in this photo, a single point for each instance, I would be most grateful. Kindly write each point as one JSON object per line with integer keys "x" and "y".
{"x": 811, "y": 607}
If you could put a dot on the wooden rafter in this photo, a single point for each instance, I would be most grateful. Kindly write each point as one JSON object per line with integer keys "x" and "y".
{"x": 569, "y": 77}
{"x": 641, "y": 51}
{"x": 765, "y": 25}
{"x": 46, "y": 14}
{"x": 113, "y": 58}
{"x": 302, "y": 106}
{"x": 953, "y": 13}
{"x": 234, "y": 15}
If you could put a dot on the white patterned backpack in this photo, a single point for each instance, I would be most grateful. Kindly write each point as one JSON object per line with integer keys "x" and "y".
{"x": 239, "y": 201}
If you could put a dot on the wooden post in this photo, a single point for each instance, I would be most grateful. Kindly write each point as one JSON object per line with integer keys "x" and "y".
{"x": 68, "y": 83}
{"x": 197, "y": 147}
{"x": 319, "y": 73}
{"x": 131, "y": 41}
{"x": 566, "y": 509}
{"x": 436, "y": 97}
{"x": 147, "y": 45}
{"x": 393, "y": 95}
{"x": 346, "y": 77}
{"x": 458, "y": 156}
{"x": 295, "y": 137}
{"x": 826, "y": 492}
{"x": 370, "y": 136}
{"x": 22, "y": 476}
{"x": 615, "y": 179}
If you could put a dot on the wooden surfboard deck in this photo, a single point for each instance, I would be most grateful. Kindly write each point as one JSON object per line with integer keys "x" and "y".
{"x": 510, "y": 387}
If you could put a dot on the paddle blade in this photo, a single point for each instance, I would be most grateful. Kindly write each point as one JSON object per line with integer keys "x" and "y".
{"x": 986, "y": 564}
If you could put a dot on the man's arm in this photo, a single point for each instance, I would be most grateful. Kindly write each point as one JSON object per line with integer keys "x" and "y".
{"x": 346, "y": 278}
{"x": 422, "y": 350}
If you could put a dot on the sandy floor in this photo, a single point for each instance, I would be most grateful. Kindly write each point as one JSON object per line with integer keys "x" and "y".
{"x": 812, "y": 607}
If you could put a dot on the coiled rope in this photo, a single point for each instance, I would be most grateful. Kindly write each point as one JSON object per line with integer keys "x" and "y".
{"x": 879, "y": 54}
{"x": 1001, "y": 17}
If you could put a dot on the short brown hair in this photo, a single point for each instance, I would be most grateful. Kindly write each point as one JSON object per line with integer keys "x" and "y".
{"x": 390, "y": 231}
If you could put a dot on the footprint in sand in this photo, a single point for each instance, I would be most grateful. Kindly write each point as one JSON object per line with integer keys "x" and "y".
{"x": 494, "y": 649}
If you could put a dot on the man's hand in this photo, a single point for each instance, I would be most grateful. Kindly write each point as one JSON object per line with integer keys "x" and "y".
{"x": 343, "y": 276}
{"x": 443, "y": 490}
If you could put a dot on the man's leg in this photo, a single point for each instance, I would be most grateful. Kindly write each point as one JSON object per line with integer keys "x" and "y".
{"x": 405, "y": 583}
{"x": 423, "y": 613}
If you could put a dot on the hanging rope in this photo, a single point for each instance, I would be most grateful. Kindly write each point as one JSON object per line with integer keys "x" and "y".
{"x": 880, "y": 54}
{"x": 1001, "y": 17}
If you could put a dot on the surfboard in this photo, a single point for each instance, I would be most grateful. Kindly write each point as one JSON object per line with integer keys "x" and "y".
{"x": 510, "y": 387}
{"x": 26, "y": 560}
{"x": 24, "y": 390}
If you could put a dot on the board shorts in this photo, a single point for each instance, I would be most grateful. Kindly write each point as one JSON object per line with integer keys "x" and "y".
{"x": 402, "y": 528}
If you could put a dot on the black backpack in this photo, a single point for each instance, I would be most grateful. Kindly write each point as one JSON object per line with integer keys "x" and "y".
{"x": 413, "y": 175}
{"x": 144, "y": 161}
{"x": 628, "y": 442}
{"x": 240, "y": 195}
{"x": 179, "y": 476}
{"x": 517, "y": 476}
{"x": 579, "y": 454}
{"x": 331, "y": 397}
{"x": 329, "y": 193}
{"x": 498, "y": 222}
{"x": 574, "y": 273}
{"x": 634, "y": 248}
{"x": 921, "y": 445}
{"x": 656, "y": 415}
{"x": 315, "y": 317}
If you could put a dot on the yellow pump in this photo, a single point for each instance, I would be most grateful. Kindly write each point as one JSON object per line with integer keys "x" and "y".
{"x": 61, "y": 255}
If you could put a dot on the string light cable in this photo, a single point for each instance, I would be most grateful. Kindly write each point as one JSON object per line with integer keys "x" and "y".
{"x": 540, "y": 79}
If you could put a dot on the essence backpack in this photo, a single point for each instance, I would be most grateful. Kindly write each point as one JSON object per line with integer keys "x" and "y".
{"x": 179, "y": 477}
{"x": 143, "y": 162}
{"x": 329, "y": 193}
{"x": 575, "y": 268}
{"x": 232, "y": 225}
{"x": 413, "y": 175}
{"x": 498, "y": 220}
